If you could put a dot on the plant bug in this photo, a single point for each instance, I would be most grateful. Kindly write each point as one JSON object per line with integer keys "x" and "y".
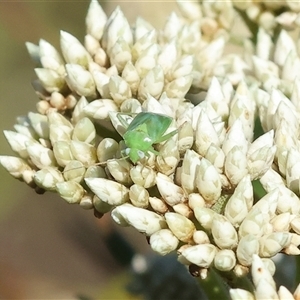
{"x": 145, "y": 130}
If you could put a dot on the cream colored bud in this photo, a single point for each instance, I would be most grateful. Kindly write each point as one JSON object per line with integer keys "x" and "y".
{"x": 109, "y": 191}
{"x": 200, "y": 255}
{"x": 247, "y": 246}
{"x": 131, "y": 105}
{"x": 101, "y": 81}
{"x": 119, "y": 89}
{"x": 208, "y": 181}
{"x": 190, "y": 10}
{"x": 196, "y": 200}
{"x": 40, "y": 155}
{"x": 168, "y": 157}
{"x": 143, "y": 175}
{"x": 18, "y": 142}
{"x": 158, "y": 205}
{"x": 50, "y": 80}
{"x": 101, "y": 206}
{"x": 204, "y": 216}
{"x": 139, "y": 196}
{"x": 120, "y": 54}
{"x": 283, "y": 47}
{"x": 92, "y": 45}
{"x": 99, "y": 109}
{"x": 83, "y": 152}
{"x": 287, "y": 201}
{"x": 281, "y": 222}
{"x": 26, "y": 130}
{"x": 86, "y": 202}
{"x": 185, "y": 137}
{"x": 235, "y": 137}
{"x": 205, "y": 134}
{"x": 273, "y": 243}
{"x": 14, "y": 165}
{"x": 152, "y": 83}
{"x": 170, "y": 192}
{"x": 240, "y": 202}
{"x": 201, "y": 237}
{"x": 74, "y": 171}
{"x": 47, "y": 178}
{"x": 80, "y": 80}
{"x": 264, "y": 44}
{"x": 271, "y": 180}
{"x": 40, "y": 124}
{"x": 293, "y": 170}
{"x": 295, "y": 223}
{"x": 147, "y": 60}
{"x": 238, "y": 294}
{"x": 34, "y": 52}
{"x": 117, "y": 26}
{"x": 73, "y": 51}
{"x": 84, "y": 131}
{"x": 71, "y": 191}
{"x": 172, "y": 26}
{"x": 78, "y": 112}
{"x": 62, "y": 153}
{"x": 131, "y": 76}
{"x": 291, "y": 249}
{"x": 143, "y": 220}
{"x": 163, "y": 241}
{"x": 58, "y": 101}
{"x": 182, "y": 227}
{"x": 183, "y": 209}
{"x": 179, "y": 87}
{"x": 50, "y": 57}
{"x": 223, "y": 232}
{"x": 284, "y": 293}
{"x": 225, "y": 260}
{"x": 95, "y": 20}
{"x": 236, "y": 165}
{"x": 60, "y": 133}
{"x": 95, "y": 172}
{"x": 265, "y": 287}
{"x": 168, "y": 56}
{"x": 147, "y": 39}
{"x": 119, "y": 170}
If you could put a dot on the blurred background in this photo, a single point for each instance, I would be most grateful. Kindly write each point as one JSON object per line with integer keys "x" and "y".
{"x": 48, "y": 248}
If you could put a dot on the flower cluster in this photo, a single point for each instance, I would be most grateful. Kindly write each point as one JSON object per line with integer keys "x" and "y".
{"x": 196, "y": 197}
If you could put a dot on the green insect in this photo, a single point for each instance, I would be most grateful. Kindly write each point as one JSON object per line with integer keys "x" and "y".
{"x": 145, "y": 130}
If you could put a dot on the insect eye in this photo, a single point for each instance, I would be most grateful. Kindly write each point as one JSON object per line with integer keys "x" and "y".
{"x": 127, "y": 151}
{"x": 141, "y": 154}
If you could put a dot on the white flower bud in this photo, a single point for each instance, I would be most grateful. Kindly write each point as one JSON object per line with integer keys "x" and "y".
{"x": 47, "y": 178}
{"x": 158, "y": 205}
{"x": 86, "y": 202}
{"x": 95, "y": 20}
{"x": 208, "y": 181}
{"x": 196, "y": 200}
{"x": 235, "y": 165}
{"x": 142, "y": 27}
{"x": 80, "y": 80}
{"x": 73, "y": 51}
{"x": 273, "y": 243}
{"x": 283, "y": 47}
{"x": 265, "y": 287}
{"x": 204, "y": 216}
{"x": 143, "y": 220}
{"x": 223, "y": 232}
{"x": 119, "y": 89}
{"x": 71, "y": 191}
{"x": 51, "y": 80}
{"x": 84, "y": 131}
{"x": 179, "y": 87}
{"x": 74, "y": 171}
{"x": 147, "y": 60}
{"x": 282, "y": 222}
{"x": 163, "y": 241}
{"x": 62, "y": 153}
{"x": 287, "y": 201}
{"x": 190, "y": 10}
{"x": 83, "y": 152}
{"x": 238, "y": 294}
{"x": 224, "y": 260}
{"x": 200, "y": 255}
{"x": 131, "y": 76}
{"x": 182, "y": 227}
{"x": 200, "y": 237}
{"x": 143, "y": 175}
{"x": 109, "y": 191}
{"x": 169, "y": 191}
{"x": 101, "y": 206}
{"x": 99, "y": 109}
{"x": 14, "y": 165}
{"x": 247, "y": 246}
{"x": 240, "y": 202}
{"x": 205, "y": 134}
{"x": 149, "y": 38}
{"x": 293, "y": 170}
{"x": 139, "y": 196}
{"x": 284, "y": 293}
{"x": 119, "y": 170}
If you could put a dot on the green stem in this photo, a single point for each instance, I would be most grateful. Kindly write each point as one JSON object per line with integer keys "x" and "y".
{"x": 213, "y": 286}
{"x": 297, "y": 276}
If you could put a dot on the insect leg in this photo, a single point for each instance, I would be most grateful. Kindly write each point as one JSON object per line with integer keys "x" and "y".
{"x": 166, "y": 137}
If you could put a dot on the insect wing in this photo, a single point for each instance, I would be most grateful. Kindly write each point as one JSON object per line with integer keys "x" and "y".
{"x": 156, "y": 124}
